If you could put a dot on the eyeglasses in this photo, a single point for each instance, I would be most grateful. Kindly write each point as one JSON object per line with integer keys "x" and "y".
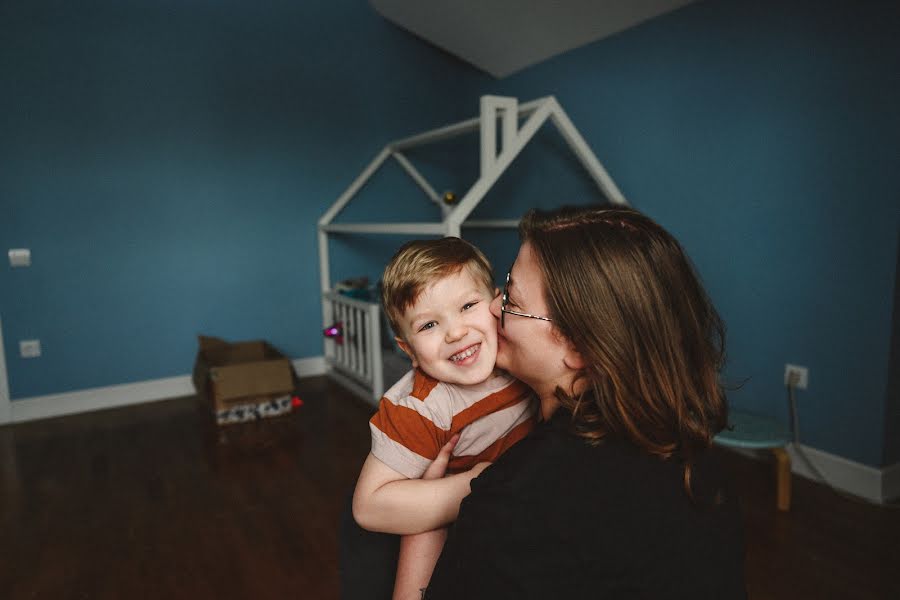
{"x": 504, "y": 300}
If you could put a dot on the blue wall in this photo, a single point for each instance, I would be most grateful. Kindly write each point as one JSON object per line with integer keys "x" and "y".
{"x": 764, "y": 135}
{"x": 166, "y": 162}
{"x": 892, "y": 395}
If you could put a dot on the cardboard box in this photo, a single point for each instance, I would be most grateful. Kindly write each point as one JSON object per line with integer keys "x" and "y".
{"x": 243, "y": 381}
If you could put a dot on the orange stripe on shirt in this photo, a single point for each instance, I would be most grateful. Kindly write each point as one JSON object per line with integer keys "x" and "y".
{"x": 509, "y": 396}
{"x": 422, "y": 385}
{"x": 408, "y": 428}
{"x": 493, "y": 452}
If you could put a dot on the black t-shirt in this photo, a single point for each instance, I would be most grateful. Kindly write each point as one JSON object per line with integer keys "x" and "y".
{"x": 558, "y": 518}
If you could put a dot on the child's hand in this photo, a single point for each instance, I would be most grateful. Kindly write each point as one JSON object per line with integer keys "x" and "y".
{"x": 437, "y": 469}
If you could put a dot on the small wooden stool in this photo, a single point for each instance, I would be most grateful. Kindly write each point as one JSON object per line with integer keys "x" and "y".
{"x": 753, "y": 432}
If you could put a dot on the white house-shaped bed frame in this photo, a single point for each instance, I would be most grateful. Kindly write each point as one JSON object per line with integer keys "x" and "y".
{"x": 357, "y": 362}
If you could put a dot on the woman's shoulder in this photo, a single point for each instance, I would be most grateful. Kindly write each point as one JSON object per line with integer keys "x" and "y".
{"x": 554, "y": 460}
{"x": 544, "y": 460}
{"x": 606, "y": 505}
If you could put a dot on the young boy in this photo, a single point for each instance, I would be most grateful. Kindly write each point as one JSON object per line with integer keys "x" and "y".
{"x": 437, "y": 294}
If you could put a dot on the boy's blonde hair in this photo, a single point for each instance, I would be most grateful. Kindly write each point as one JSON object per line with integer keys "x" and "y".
{"x": 419, "y": 263}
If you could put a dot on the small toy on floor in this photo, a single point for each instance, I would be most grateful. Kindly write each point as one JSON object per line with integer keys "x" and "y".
{"x": 243, "y": 413}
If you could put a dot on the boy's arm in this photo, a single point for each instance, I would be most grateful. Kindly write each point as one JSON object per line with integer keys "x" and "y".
{"x": 387, "y": 501}
{"x": 419, "y": 553}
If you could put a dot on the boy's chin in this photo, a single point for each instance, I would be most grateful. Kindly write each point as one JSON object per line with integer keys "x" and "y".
{"x": 477, "y": 374}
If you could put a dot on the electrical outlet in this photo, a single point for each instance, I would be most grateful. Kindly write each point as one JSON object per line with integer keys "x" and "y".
{"x": 802, "y": 375}
{"x": 20, "y": 257}
{"x": 29, "y": 348}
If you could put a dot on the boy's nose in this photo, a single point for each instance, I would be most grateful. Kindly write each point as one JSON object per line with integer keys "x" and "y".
{"x": 456, "y": 332}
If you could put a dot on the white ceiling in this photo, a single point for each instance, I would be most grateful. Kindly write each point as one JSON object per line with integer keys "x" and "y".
{"x": 505, "y": 36}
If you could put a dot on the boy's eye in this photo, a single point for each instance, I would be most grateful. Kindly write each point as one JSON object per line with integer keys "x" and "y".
{"x": 427, "y": 325}
{"x": 469, "y": 305}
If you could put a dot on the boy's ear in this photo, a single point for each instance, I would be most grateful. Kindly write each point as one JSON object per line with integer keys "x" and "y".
{"x": 496, "y": 292}
{"x": 407, "y": 350}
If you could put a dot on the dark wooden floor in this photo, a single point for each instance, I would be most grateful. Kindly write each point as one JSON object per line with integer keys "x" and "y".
{"x": 153, "y": 502}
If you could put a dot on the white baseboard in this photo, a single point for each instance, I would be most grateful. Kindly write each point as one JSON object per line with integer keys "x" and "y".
{"x": 5, "y": 410}
{"x": 68, "y": 403}
{"x": 844, "y": 474}
{"x": 890, "y": 482}
{"x": 310, "y": 367}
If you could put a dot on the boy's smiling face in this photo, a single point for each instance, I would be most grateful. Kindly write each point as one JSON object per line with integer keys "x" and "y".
{"x": 449, "y": 332}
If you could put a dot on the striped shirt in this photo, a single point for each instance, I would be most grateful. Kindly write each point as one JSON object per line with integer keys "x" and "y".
{"x": 420, "y": 414}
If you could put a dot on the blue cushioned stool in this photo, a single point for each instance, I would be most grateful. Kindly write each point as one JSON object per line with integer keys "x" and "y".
{"x": 762, "y": 433}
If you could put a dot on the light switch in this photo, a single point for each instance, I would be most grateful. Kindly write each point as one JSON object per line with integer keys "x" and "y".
{"x": 20, "y": 257}
{"x": 29, "y": 348}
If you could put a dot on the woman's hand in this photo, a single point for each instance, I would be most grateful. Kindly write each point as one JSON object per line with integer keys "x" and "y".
{"x": 437, "y": 468}
{"x": 477, "y": 469}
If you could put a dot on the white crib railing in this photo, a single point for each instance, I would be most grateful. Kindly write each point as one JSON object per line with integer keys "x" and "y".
{"x": 356, "y": 359}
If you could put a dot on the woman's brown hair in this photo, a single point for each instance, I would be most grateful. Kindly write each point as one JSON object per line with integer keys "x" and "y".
{"x": 623, "y": 292}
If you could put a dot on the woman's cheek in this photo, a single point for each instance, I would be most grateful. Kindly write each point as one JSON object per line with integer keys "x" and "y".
{"x": 501, "y": 348}
{"x": 503, "y": 353}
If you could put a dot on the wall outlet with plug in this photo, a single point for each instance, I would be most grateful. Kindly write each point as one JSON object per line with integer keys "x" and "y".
{"x": 799, "y": 374}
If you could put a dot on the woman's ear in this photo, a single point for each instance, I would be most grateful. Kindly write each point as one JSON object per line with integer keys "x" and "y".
{"x": 407, "y": 350}
{"x": 573, "y": 359}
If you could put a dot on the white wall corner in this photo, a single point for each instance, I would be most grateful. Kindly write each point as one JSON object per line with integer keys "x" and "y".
{"x": 890, "y": 483}
{"x": 5, "y": 411}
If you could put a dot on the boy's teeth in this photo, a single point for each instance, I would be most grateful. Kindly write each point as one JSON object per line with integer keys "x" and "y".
{"x": 465, "y": 353}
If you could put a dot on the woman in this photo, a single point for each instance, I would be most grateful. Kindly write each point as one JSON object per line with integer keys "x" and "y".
{"x": 614, "y": 495}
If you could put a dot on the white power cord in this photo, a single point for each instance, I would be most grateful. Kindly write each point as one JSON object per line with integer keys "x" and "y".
{"x": 793, "y": 380}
